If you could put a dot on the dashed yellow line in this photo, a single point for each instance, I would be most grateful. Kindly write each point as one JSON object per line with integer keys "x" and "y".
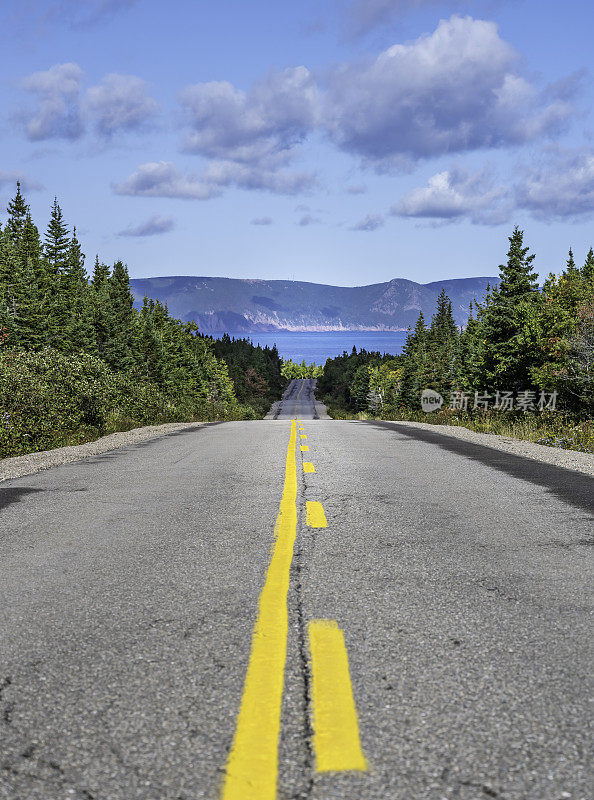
{"x": 308, "y": 466}
{"x": 304, "y": 448}
{"x": 303, "y": 436}
{"x": 252, "y": 766}
{"x": 336, "y": 738}
{"x": 314, "y": 514}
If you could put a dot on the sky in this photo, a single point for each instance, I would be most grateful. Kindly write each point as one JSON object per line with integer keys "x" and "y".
{"x": 340, "y": 141}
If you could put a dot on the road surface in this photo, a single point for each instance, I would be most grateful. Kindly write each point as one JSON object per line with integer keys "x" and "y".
{"x": 299, "y": 401}
{"x": 161, "y": 609}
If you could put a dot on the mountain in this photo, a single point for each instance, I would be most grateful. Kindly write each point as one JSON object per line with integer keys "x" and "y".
{"x": 246, "y": 306}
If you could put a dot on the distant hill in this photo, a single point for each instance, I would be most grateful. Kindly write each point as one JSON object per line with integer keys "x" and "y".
{"x": 248, "y": 306}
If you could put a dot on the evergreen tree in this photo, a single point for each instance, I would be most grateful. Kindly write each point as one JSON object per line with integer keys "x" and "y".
{"x": 57, "y": 241}
{"x": 101, "y": 273}
{"x": 117, "y": 349}
{"x": 507, "y": 359}
{"x": 588, "y": 268}
{"x": 22, "y": 314}
{"x": 18, "y": 211}
{"x": 79, "y": 334}
{"x": 415, "y": 364}
{"x": 442, "y": 345}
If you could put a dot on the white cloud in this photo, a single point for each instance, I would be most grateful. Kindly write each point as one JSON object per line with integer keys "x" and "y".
{"x": 457, "y": 194}
{"x": 260, "y": 126}
{"x": 152, "y": 226}
{"x": 458, "y": 89}
{"x": 162, "y": 179}
{"x": 560, "y": 186}
{"x": 455, "y": 90}
{"x": 369, "y": 223}
{"x": 119, "y": 102}
{"x": 308, "y": 219}
{"x": 246, "y": 176}
{"x": 57, "y": 115}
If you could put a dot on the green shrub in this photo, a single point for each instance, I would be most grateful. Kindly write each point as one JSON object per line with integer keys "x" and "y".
{"x": 48, "y": 399}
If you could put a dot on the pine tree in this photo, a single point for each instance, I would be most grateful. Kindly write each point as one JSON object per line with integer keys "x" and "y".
{"x": 22, "y": 313}
{"x": 415, "y": 362}
{"x": 101, "y": 273}
{"x": 148, "y": 344}
{"x": 117, "y": 349}
{"x": 442, "y": 345}
{"x": 18, "y": 211}
{"x": 588, "y": 268}
{"x": 80, "y": 333}
{"x": 57, "y": 241}
{"x": 507, "y": 359}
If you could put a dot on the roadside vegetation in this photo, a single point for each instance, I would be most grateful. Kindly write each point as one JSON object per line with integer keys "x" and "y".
{"x": 78, "y": 361}
{"x": 292, "y": 371}
{"x": 523, "y": 366}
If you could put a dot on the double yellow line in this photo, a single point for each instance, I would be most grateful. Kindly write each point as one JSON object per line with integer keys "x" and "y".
{"x": 252, "y": 766}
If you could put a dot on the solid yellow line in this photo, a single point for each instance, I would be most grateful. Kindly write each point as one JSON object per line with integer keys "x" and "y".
{"x": 314, "y": 514}
{"x": 304, "y": 448}
{"x": 300, "y": 390}
{"x": 252, "y": 766}
{"x": 336, "y": 728}
{"x": 308, "y": 466}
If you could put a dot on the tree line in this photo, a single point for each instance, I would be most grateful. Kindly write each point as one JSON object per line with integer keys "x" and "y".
{"x": 523, "y": 344}
{"x": 132, "y": 366}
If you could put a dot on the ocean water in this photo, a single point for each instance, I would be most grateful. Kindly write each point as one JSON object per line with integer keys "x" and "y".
{"x": 318, "y": 346}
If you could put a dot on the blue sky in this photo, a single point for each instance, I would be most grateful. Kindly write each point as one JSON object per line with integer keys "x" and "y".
{"x": 345, "y": 142}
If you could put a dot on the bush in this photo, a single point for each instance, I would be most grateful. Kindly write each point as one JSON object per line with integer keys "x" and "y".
{"x": 48, "y": 399}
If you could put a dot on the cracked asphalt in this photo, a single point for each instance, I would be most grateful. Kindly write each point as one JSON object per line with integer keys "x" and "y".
{"x": 460, "y": 575}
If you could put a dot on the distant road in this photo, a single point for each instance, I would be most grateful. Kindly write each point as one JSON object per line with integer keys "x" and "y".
{"x": 317, "y": 610}
{"x": 298, "y": 402}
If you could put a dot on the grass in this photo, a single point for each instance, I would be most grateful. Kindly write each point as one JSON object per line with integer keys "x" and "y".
{"x": 553, "y": 429}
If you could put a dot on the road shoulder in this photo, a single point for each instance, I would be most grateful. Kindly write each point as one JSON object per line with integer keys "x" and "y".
{"x": 568, "y": 459}
{"x": 29, "y": 464}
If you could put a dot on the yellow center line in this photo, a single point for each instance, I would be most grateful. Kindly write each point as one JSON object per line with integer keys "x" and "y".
{"x": 303, "y": 436}
{"x": 252, "y": 766}
{"x": 308, "y": 466}
{"x": 314, "y": 514}
{"x": 336, "y": 728}
{"x": 304, "y": 448}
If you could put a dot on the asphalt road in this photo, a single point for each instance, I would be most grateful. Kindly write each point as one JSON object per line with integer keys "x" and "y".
{"x": 461, "y": 577}
{"x": 299, "y": 401}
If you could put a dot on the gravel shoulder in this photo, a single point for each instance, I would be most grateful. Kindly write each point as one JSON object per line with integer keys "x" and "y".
{"x": 28, "y": 464}
{"x": 568, "y": 459}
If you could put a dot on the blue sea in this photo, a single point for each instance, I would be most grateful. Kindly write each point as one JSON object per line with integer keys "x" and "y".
{"x": 318, "y": 346}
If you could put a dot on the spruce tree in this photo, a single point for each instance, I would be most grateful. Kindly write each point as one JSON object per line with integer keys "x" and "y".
{"x": 415, "y": 363}
{"x": 80, "y": 333}
{"x": 442, "y": 345}
{"x": 588, "y": 268}
{"x": 117, "y": 349}
{"x": 57, "y": 241}
{"x": 101, "y": 273}
{"x": 507, "y": 361}
{"x": 18, "y": 211}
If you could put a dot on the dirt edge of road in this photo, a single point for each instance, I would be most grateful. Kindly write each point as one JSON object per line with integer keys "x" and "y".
{"x": 19, "y": 466}
{"x": 568, "y": 459}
